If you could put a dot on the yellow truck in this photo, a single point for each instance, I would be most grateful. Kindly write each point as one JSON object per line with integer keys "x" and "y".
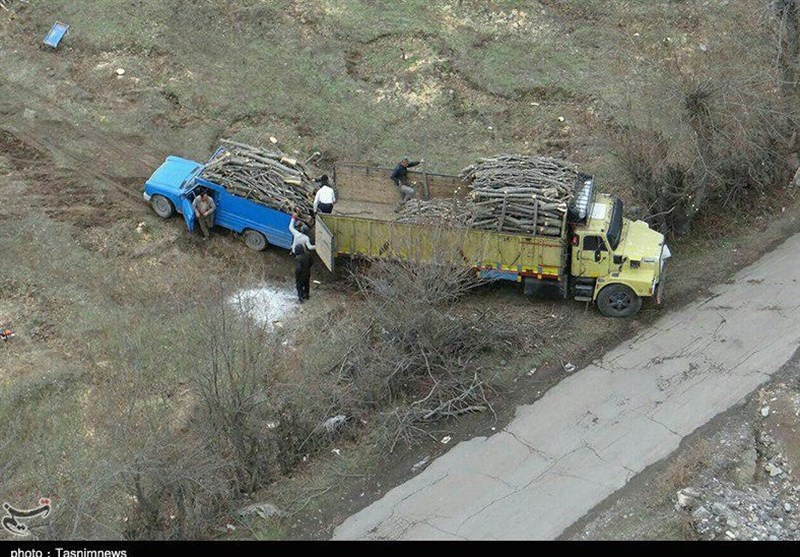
{"x": 596, "y": 255}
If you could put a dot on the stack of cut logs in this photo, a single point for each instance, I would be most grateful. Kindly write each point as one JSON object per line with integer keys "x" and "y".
{"x": 520, "y": 194}
{"x": 441, "y": 212}
{"x": 267, "y": 177}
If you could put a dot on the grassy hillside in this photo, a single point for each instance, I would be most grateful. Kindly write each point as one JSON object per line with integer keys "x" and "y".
{"x": 363, "y": 80}
{"x": 99, "y": 390}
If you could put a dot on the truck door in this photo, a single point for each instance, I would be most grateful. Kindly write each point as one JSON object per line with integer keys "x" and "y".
{"x": 593, "y": 259}
{"x": 325, "y": 243}
{"x": 220, "y": 204}
{"x": 188, "y": 210}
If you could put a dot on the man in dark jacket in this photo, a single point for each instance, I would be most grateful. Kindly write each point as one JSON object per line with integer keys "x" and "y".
{"x": 400, "y": 178}
{"x": 302, "y": 272}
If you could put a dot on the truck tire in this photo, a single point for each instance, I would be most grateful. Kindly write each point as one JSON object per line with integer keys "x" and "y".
{"x": 255, "y": 240}
{"x": 618, "y": 300}
{"x": 162, "y": 206}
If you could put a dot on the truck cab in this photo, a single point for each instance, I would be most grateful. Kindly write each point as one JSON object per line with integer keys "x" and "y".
{"x": 173, "y": 186}
{"x": 615, "y": 261}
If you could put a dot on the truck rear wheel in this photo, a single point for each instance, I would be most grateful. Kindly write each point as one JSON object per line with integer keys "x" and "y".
{"x": 162, "y": 206}
{"x": 255, "y": 240}
{"x": 618, "y": 300}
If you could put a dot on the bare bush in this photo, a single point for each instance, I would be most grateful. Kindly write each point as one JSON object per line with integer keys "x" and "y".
{"x": 418, "y": 358}
{"x": 232, "y": 376}
{"x": 186, "y": 453}
{"x": 732, "y": 148}
{"x": 250, "y": 413}
{"x": 179, "y": 490}
{"x": 787, "y": 29}
{"x": 720, "y": 138}
{"x": 178, "y": 486}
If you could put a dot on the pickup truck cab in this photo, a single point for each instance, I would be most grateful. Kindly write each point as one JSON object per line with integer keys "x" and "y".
{"x": 173, "y": 186}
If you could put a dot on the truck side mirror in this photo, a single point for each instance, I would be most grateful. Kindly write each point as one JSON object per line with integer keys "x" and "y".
{"x": 597, "y": 253}
{"x": 619, "y": 259}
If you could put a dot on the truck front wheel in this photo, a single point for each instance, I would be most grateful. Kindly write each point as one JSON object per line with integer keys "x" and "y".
{"x": 255, "y": 240}
{"x": 618, "y": 300}
{"x": 162, "y": 206}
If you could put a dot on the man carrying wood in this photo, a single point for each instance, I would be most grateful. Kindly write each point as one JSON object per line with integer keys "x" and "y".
{"x": 204, "y": 208}
{"x": 400, "y": 178}
{"x": 300, "y": 237}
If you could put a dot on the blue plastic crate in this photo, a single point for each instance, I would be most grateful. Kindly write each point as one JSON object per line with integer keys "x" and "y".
{"x": 55, "y": 34}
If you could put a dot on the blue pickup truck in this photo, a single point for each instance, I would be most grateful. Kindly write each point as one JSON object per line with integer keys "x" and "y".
{"x": 173, "y": 186}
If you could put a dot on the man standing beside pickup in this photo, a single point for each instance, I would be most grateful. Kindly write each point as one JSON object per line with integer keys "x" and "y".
{"x": 302, "y": 272}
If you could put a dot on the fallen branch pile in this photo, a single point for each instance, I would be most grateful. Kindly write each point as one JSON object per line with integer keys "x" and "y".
{"x": 518, "y": 193}
{"x": 267, "y": 177}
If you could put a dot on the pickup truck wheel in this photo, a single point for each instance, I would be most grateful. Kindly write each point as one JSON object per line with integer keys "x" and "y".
{"x": 618, "y": 300}
{"x": 255, "y": 240}
{"x": 162, "y": 206}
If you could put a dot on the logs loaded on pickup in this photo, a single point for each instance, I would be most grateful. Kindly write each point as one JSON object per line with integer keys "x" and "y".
{"x": 268, "y": 177}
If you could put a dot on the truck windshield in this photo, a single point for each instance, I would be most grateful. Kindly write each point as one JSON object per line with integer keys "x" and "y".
{"x": 189, "y": 181}
{"x": 615, "y": 225}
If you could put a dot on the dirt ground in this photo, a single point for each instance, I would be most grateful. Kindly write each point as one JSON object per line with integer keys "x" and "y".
{"x": 87, "y": 265}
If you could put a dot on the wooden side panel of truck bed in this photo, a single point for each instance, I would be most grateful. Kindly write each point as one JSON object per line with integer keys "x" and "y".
{"x": 422, "y": 243}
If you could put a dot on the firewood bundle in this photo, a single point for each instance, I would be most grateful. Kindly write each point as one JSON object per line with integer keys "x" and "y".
{"x": 439, "y": 212}
{"x": 520, "y": 194}
{"x": 267, "y": 177}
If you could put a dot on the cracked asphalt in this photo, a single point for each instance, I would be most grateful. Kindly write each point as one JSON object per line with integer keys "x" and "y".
{"x": 591, "y": 433}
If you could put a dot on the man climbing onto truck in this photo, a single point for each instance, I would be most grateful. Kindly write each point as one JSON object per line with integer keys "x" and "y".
{"x": 400, "y": 177}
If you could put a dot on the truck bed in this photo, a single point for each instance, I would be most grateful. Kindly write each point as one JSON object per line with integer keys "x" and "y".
{"x": 364, "y": 223}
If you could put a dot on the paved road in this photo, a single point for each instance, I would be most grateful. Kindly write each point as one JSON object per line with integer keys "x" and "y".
{"x": 596, "y": 429}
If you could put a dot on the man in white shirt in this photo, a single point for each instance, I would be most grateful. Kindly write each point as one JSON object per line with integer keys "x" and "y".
{"x": 300, "y": 236}
{"x": 325, "y": 198}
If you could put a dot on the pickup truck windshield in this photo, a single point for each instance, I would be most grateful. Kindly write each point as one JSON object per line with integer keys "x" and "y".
{"x": 189, "y": 181}
{"x": 615, "y": 225}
